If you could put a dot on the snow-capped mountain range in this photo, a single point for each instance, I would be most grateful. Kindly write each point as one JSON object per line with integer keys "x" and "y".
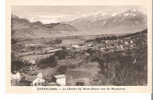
{"x": 130, "y": 20}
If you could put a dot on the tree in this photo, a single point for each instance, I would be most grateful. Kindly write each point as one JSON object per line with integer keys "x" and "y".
{"x": 50, "y": 61}
{"x": 17, "y": 64}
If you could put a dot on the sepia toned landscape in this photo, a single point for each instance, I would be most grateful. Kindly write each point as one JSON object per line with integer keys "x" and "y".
{"x": 87, "y": 46}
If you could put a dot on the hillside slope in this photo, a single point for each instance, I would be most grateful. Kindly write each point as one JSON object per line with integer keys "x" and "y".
{"x": 23, "y": 28}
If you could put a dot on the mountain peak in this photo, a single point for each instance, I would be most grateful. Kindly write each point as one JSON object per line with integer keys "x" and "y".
{"x": 133, "y": 12}
{"x": 129, "y": 20}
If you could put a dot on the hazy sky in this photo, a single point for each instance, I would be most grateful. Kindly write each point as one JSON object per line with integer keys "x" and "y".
{"x": 62, "y": 13}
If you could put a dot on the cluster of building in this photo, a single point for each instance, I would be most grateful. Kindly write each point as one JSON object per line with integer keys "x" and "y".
{"x": 117, "y": 45}
{"x": 104, "y": 46}
{"x": 107, "y": 45}
{"x": 114, "y": 43}
{"x": 39, "y": 80}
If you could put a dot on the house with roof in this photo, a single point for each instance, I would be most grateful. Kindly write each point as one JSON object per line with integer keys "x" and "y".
{"x": 60, "y": 79}
{"x": 39, "y": 81}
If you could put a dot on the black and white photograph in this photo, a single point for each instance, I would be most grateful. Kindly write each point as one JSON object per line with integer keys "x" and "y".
{"x": 79, "y": 46}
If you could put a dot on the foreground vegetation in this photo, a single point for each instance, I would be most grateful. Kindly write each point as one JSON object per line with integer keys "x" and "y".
{"x": 127, "y": 67}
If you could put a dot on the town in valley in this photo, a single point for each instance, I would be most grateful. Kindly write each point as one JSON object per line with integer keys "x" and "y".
{"x": 110, "y": 51}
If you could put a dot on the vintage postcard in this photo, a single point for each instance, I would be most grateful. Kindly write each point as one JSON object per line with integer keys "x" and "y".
{"x": 98, "y": 47}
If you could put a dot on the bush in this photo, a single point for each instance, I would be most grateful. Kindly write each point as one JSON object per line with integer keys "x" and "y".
{"x": 61, "y": 69}
{"x": 50, "y": 61}
{"x": 17, "y": 64}
{"x": 61, "y": 54}
{"x": 119, "y": 69}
